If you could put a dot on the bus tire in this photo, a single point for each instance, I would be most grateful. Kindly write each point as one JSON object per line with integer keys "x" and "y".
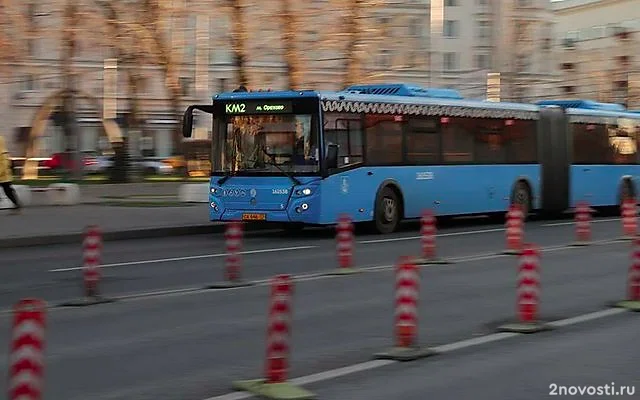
{"x": 522, "y": 196}
{"x": 387, "y": 211}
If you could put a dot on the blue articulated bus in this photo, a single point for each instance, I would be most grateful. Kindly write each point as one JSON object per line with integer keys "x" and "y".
{"x": 385, "y": 152}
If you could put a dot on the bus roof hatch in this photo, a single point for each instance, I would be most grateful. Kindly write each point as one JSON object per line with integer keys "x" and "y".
{"x": 583, "y": 104}
{"x": 402, "y": 89}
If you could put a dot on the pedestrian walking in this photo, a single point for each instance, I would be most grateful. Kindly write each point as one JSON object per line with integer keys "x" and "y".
{"x": 6, "y": 176}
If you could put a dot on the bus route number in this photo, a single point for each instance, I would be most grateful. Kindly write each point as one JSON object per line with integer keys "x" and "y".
{"x": 235, "y": 108}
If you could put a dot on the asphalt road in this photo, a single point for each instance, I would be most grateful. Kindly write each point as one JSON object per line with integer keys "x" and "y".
{"x": 141, "y": 266}
{"x": 548, "y": 365}
{"x": 190, "y": 346}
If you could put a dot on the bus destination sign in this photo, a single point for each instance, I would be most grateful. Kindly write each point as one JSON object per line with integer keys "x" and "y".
{"x": 255, "y": 107}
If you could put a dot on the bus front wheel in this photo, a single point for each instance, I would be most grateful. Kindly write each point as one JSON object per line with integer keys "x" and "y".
{"x": 387, "y": 215}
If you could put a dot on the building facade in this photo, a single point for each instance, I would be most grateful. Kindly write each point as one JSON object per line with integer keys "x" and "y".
{"x": 438, "y": 43}
{"x": 599, "y": 50}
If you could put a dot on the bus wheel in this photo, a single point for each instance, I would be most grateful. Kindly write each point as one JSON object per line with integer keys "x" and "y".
{"x": 387, "y": 211}
{"x": 522, "y": 197}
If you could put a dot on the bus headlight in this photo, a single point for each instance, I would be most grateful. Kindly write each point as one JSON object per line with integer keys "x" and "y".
{"x": 304, "y": 206}
{"x": 213, "y": 190}
{"x": 303, "y": 192}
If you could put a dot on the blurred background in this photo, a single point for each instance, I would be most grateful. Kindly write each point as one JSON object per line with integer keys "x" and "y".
{"x": 95, "y": 89}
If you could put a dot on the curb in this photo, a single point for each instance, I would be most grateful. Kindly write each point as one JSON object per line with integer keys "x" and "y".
{"x": 130, "y": 234}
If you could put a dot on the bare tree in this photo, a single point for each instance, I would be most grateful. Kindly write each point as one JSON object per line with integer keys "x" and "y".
{"x": 239, "y": 38}
{"x": 289, "y": 38}
{"x": 14, "y": 28}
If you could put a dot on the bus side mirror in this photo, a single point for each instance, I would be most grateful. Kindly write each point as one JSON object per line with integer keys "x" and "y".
{"x": 187, "y": 122}
{"x": 332, "y": 156}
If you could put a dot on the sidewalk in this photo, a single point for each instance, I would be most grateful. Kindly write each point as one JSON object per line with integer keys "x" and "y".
{"x": 55, "y": 225}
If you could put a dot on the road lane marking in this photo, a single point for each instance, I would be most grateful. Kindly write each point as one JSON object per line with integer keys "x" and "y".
{"x": 319, "y": 275}
{"x": 446, "y": 348}
{"x": 463, "y": 233}
{"x": 595, "y": 221}
{"x": 186, "y": 258}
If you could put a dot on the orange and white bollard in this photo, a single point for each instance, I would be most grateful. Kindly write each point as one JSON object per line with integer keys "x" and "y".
{"x": 632, "y": 302}
{"x": 428, "y": 230}
{"x": 92, "y": 248}
{"x": 233, "y": 237}
{"x": 629, "y": 215}
{"x": 345, "y": 240}
{"x": 275, "y": 384}
{"x": 528, "y": 294}
{"x": 583, "y": 224}
{"x": 26, "y": 371}
{"x": 514, "y": 230}
{"x": 407, "y": 293}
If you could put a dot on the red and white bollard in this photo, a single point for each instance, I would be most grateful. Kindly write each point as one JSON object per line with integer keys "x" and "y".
{"x": 633, "y": 290}
{"x": 528, "y": 285}
{"x": 26, "y": 369}
{"x": 583, "y": 224}
{"x": 233, "y": 235}
{"x": 233, "y": 241}
{"x": 91, "y": 260}
{"x": 528, "y": 294}
{"x": 514, "y": 229}
{"x": 428, "y": 230}
{"x": 275, "y": 383}
{"x": 629, "y": 218}
{"x": 632, "y": 302}
{"x": 279, "y": 329}
{"x": 344, "y": 246}
{"x": 407, "y": 293}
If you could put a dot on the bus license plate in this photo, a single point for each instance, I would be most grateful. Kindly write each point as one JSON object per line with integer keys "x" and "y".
{"x": 254, "y": 217}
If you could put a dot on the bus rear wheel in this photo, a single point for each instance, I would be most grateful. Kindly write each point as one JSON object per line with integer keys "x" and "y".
{"x": 387, "y": 214}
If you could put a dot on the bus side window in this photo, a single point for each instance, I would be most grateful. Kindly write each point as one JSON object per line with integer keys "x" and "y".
{"x": 384, "y": 139}
{"x": 345, "y": 130}
{"x": 422, "y": 141}
{"x": 590, "y": 144}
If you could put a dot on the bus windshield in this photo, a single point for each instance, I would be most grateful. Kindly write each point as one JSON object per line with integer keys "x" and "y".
{"x": 270, "y": 144}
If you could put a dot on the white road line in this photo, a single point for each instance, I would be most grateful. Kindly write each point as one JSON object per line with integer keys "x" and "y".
{"x": 321, "y": 275}
{"x": 185, "y": 258}
{"x": 464, "y": 233}
{"x": 446, "y": 348}
{"x": 595, "y": 221}
{"x": 587, "y": 317}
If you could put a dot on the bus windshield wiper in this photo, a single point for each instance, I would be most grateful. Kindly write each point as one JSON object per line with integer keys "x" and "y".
{"x": 224, "y": 178}
{"x": 272, "y": 159}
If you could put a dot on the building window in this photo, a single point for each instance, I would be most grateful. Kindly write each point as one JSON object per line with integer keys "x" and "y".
{"x": 482, "y": 61}
{"x": 568, "y": 89}
{"x": 415, "y": 28}
{"x": 568, "y": 66}
{"x": 450, "y": 29}
{"x": 483, "y": 2}
{"x": 450, "y": 61}
{"x": 451, "y": 3}
{"x": 484, "y": 29}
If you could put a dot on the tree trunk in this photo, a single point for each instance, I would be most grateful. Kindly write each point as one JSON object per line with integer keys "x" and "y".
{"x": 70, "y": 128}
{"x": 291, "y": 55}
{"x": 239, "y": 42}
{"x": 353, "y": 54}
